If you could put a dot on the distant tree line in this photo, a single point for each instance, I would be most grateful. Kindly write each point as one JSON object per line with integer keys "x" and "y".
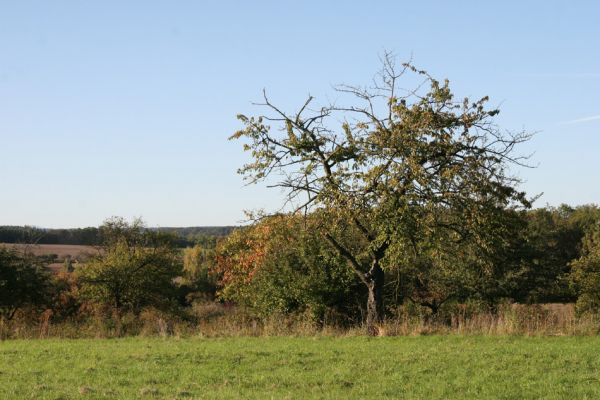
{"x": 186, "y": 236}
{"x": 35, "y": 235}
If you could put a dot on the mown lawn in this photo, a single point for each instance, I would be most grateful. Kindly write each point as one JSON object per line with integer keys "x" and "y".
{"x": 429, "y": 367}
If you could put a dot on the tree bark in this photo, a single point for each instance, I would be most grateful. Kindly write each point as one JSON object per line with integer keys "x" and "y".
{"x": 375, "y": 312}
{"x": 374, "y": 280}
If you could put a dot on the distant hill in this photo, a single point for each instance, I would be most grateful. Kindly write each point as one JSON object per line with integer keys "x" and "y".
{"x": 90, "y": 236}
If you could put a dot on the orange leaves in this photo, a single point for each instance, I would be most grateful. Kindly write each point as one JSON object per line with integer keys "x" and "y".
{"x": 243, "y": 253}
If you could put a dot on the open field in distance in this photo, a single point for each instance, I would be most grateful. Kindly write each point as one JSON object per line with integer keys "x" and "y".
{"x": 425, "y": 367}
{"x": 62, "y": 251}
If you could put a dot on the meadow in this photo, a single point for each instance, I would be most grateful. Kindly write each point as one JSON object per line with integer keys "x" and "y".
{"x": 422, "y": 367}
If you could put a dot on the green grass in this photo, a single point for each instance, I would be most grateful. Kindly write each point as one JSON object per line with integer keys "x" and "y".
{"x": 429, "y": 367}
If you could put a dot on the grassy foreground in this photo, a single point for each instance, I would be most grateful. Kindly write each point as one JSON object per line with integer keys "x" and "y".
{"x": 427, "y": 367}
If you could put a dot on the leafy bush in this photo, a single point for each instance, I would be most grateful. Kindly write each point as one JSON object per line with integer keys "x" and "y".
{"x": 586, "y": 273}
{"x": 135, "y": 268}
{"x": 23, "y": 282}
{"x": 197, "y": 282}
{"x": 280, "y": 266}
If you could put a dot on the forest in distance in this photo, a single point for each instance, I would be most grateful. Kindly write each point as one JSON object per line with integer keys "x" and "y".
{"x": 90, "y": 236}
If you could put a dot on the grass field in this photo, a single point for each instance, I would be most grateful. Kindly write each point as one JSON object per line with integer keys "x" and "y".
{"x": 427, "y": 367}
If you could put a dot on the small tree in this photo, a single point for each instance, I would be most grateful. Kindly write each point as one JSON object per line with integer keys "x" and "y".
{"x": 438, "y": 267}
{"x": 198, "y": 261}
{"x": 23, "y": 282}
{"x": 279, "y": 265}
{"x": 68, "y": 264}
{"x": 586, "y": 272}
{"x": 135, "y": 267}
{"x": 387, "y": 168}
{"x": 553, "y": 241}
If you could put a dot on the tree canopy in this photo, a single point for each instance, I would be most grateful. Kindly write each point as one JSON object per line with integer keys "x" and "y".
{"x": 23, "y": 282}
{"x": 135, "y": 267}
{"x": 279, "y": 266}
{"x": 586, "y": 272}
{"x": 396, "y": 167}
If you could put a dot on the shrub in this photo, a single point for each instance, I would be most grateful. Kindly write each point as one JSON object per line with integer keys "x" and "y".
{"x": 23, "y": 282}
{"x": 279, "y": 266}
{"x": 586, "y": 273}
{"x": 136, "y": 268}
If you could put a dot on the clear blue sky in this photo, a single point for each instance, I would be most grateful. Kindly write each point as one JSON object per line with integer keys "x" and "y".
{"x": 124, "y": 107}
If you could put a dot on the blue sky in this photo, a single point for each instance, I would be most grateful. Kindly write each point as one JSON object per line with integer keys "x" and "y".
{"x": 124, "y": 107}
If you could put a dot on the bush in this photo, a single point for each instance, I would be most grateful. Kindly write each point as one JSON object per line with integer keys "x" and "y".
{"x": 279, "y": 266}
{"x": 586, "y": 273}
{"x": 136, "y": 268}
{"x": 23, "y": 283}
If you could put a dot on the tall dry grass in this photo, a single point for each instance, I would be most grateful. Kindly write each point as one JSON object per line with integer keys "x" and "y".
{"x": 509, "y": 319}
{"x": 218, "y": 320}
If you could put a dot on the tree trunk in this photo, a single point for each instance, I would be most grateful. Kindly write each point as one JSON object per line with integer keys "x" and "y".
{"x": 375, "y": 280}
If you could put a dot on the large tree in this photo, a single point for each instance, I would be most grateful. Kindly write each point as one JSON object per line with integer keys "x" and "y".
{"x": 389, "y": 167}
